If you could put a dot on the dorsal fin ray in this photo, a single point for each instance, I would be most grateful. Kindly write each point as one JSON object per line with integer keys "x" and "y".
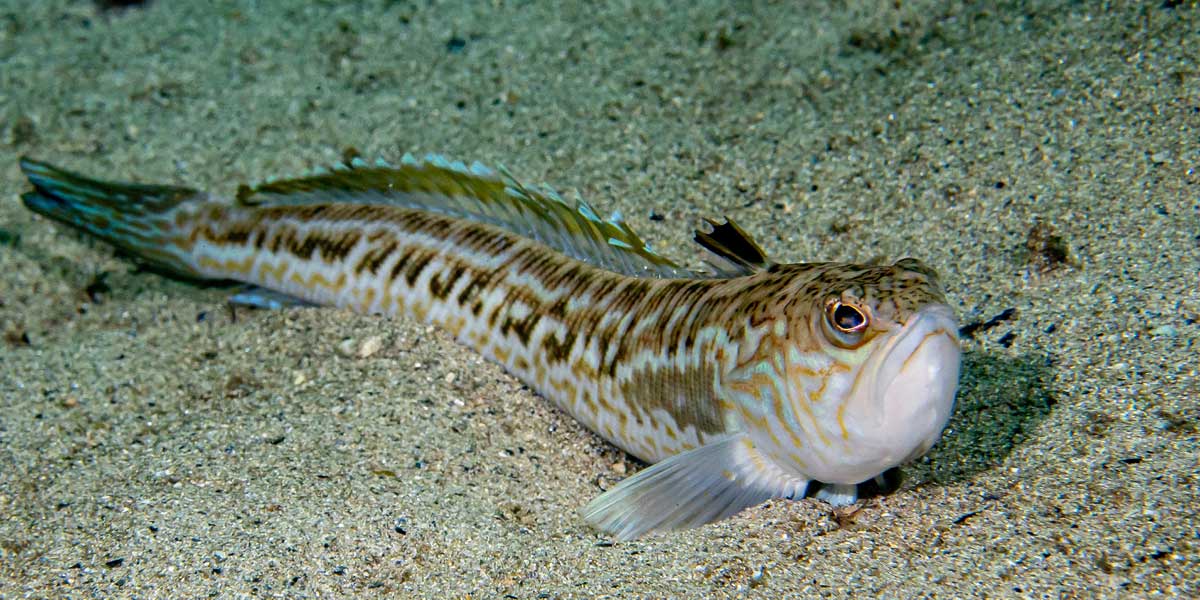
{"x": 735, "y": 253}
{"x": 479, "y": 194}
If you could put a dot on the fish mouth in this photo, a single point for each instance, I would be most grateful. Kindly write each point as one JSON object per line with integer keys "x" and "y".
{"x": 914, "y": 385}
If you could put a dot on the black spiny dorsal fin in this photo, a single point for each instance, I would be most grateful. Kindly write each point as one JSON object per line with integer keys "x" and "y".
{"x": 735, "y": 252}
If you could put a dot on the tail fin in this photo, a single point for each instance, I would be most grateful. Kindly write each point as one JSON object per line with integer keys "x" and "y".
{"x": 136, "y": 218}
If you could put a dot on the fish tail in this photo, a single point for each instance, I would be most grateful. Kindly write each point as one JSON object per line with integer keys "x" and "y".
{"x": 140, "y": 220}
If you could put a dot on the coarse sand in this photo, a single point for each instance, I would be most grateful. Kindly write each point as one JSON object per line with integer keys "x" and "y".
{"x": 1042, "y": 155}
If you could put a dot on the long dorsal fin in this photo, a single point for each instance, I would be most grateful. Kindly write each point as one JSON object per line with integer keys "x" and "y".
{"x": 735, "y": 253}
{"x": 480, "y": 194}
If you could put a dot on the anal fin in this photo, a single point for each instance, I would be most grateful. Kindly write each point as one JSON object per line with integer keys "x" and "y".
{"x": 254, "y": 296}
{"x": 709, "y": 483}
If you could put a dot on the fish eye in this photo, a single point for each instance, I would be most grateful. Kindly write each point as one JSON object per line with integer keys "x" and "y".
{"x": 846, "y": 318}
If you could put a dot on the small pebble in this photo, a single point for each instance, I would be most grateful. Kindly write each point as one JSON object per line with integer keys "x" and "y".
{"x": 1164, "y": 331}
{"x": 370, "y": 346}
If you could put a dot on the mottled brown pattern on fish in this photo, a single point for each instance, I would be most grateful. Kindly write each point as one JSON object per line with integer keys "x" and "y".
{"x": 369, "y": 264}
{"x": 777, "y": 370}
{"x": 621, "y": 388}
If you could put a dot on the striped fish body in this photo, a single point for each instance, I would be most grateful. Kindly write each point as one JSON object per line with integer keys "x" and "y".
{"x": 741, "y": 387}
{"x": 588, "y": 339}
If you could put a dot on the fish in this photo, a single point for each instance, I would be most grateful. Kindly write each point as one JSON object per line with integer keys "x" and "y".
{"x": 736, "y": 383}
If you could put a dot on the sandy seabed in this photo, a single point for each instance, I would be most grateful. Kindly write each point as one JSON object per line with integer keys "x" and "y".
{"x": 1042, "y": 156}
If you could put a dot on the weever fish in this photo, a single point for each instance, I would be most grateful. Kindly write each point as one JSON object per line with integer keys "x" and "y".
{"x": 740, "y": 385}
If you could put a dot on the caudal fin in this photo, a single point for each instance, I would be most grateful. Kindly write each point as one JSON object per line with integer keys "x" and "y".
{"x": 136, "y": 218}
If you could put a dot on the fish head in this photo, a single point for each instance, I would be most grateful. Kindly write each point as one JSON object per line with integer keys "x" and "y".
{"x": 865, "y": 375}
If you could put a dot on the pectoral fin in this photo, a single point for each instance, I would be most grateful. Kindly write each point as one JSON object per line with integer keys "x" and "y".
{"x": 709, "y": 483}
{"x": 837, "y": 495}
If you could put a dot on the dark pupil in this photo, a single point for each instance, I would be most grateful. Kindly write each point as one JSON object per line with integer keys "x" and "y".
{"x": 847, "y": 317}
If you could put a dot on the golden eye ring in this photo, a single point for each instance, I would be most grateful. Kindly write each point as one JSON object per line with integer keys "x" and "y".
{"x": 846, "y": 318}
